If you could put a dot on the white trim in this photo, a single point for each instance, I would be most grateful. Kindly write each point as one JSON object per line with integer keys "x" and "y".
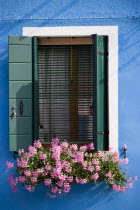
{"x": 112, "y": 33}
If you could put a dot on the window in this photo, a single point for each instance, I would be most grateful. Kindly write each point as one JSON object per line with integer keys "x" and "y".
{"x": 65, "y": 92}
{"x": 29, "y": 89}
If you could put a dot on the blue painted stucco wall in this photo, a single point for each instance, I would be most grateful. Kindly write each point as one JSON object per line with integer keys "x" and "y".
{"x": 16, "y": 14}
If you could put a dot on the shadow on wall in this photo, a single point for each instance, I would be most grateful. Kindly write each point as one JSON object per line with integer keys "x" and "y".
{"x": 129, "y": 44}
{"x": 83, "y": 197}
{"x": 5, "y": 29}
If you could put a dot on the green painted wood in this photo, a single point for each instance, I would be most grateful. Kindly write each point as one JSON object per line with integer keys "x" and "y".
{"x": 20, "y": 53}
{"x": 27, "y": 107}
{"x": 20, "y": 71}
{"x": 101, "y": 102}
{"x": 35, "y": 91}
{"x": 20, "y": 125}
{"x": 20, "y": 40}
{"x": 19, "y": 142}
{"x": 20, "y": 88}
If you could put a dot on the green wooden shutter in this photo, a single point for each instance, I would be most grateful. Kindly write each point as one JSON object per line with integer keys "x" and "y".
{"x": 100, "y": 101}
{"x": 20, "y": 92}
{"x": 35, "y": 91}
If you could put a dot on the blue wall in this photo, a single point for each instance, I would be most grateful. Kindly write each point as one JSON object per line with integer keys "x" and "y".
{"x": 16, "y": 14}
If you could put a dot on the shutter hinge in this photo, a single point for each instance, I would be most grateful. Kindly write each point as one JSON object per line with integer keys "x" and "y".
{"x": 102, "y": 53}
{"x": 103, "y": 132}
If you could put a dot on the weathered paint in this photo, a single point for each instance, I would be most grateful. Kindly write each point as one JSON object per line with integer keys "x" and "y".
{"x": 15, "y": 15}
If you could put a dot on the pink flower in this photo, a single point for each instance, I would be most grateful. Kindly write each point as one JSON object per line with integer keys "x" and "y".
{"x": 52, "y": 196}
{"x": 90, "y": 146}
{"x": 35, "y": 173}
{"x": 9, "y": 165}
{"x": 65, "y": 164}
{"x": 66, "y": 190}
{"x": 103, "y": 159}
{"x": 77, "y": 180}
{"x": 116, "y": 153}
{"x": 91, "y": 168}
{"x": 60, "y": 183}
{"x": 79, "y": 157}
{"x": 22, "y": 178}
{"x": 82, "y": 181}
{"x": 129, "y": 179}
{"x": 109, "y": 175}
{"x": 64, "y": 144}
{"x": 95, "y": 176}
{"x": 13, "y": 182}
{"x": 66, "y": 185}
{"x": 100, "y": 154}
{"x": 97, "y": 168}
{"x": 84, "y": 164}
{"x": 47, "y": 181}
{"x": 74, "y": 147}
{"x": 48, "y": 167}
{"x": 68, "y": 169}
{"x": 114, "y": 159}
{"x": 83, "y": 148}
{"x": 54, "y": 190}
{"x": 40, "y": 170}
{"x": 129, "y": 185}
{"x": 135, "y": 178}
{"x": 37, "y": 144}
{"x": 55, "y": 141}
{"x": 122, "y": 189}
{"x": 125, "y": 160}
{"x": 95, "y": 161}
{"x": 14, "y": 189}
{"x": 32, "y": 150}
{"x": 27, "y": 173}
{"x": 43, "y": 156}
{"x": 62, "y": 177}
{"x": 21, "y": 151}
{"x": 29, "y": 188}
{"x": 10, "y": 179}
{"x": 70, "y": 178}
{"x": 26, "y": 155}
{"x": 56, "y": 151}
{"x": 33, "y": 179}
{"x": 116, "y": 187}
{"x": 22, "y": 163}
{"x": 120, "y": 161}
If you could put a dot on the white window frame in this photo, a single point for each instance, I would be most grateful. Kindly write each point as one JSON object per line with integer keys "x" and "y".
{"x": 112, "y": 33}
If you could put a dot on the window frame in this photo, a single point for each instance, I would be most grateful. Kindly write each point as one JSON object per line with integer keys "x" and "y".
{"x": 112, "y": 33}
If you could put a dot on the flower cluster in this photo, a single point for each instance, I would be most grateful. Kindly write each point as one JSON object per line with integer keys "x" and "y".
{"x": 66, "y": 164}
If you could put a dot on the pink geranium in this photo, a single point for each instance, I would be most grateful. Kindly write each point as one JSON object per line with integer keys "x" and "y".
{"x": 37, "y": 144}
{"x": 32, "y": 150}
{"x": 74, "y": 147}
{"x": 125, "y": 160}
{"x": 43, "y": 156}
{"x": 22, "y": 178}
{"x": 95, "y": 176}
{"x": 9, "y": 164}
{"x": 65, "y": 164}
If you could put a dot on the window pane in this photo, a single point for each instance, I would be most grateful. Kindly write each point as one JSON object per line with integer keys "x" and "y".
{"x": 65, "y": 93}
